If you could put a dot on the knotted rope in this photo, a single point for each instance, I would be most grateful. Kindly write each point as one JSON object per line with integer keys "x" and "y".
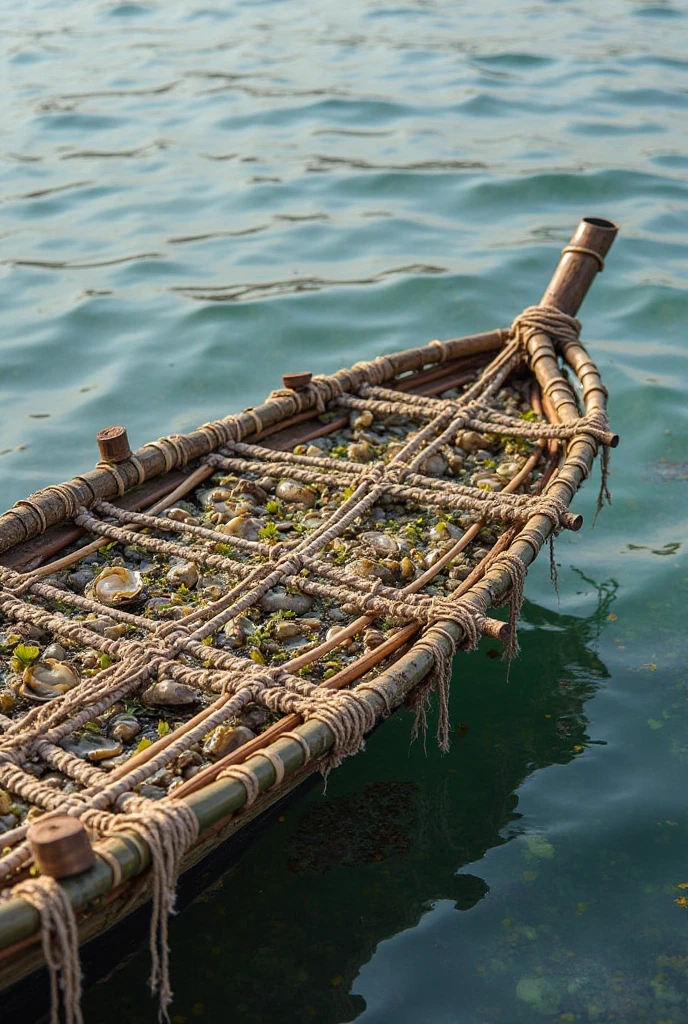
{"x": 169, "y": 827}
{"x": 60, "y": 941}
{"x": 560, "y": 327}
{"x": 441, "y": 644}
{"x": 516, "y": 571}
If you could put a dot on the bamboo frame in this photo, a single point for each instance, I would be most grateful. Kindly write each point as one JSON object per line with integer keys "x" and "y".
{"x": 218, "y": 800}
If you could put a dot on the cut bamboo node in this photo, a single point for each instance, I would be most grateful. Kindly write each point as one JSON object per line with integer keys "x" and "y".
{"x": 60, "y": 846}
{"x": 573, "y": 522}
{"x": 495, "y": 629}
{"x": 113, "y": 444}
{"x": 296, "y": 381}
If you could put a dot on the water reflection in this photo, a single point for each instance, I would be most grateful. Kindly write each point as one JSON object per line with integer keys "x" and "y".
{"x": 283, "y": 934}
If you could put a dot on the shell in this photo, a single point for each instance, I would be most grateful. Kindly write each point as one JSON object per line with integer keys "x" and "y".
{"x": 455, "y": 462}
{"x": 184, "y": 574}
{"x": 407, "y": 568}
{"x": 180, "y": 515}
{"x": 55, "y": 651}
{"x": 286, "y": 630}
{"x": 434, "y": 465}
{"x": 445, "y": 531}
{"x": 485, "y": 480}
{"x": 253, "y": 716}
{"x": 278, "y": 599}
{"x": 361, "y": 420}
{"x": 238, "y": 629}
{"x": 241, "y": 526}
{"x": 168, "y": 693}
{"x": 124, "y": 727}
{"x": 381, "y": 543}
{"x": 360, "y": 451}
{"x": 509, "y": 469}
{"x": 291, "y": 492}
{"x": 469, "y": 441}
{"x": 372, "y": 638}
{"x": 7, "y": 701}
{"x": 45, "y": 680}
{"x": 115, "y": 586}
{"x": 225, "y": 739}
{"x": 93, "y": 747}
{"x": 366, "y": 567}
{"x": 188, "y": 759}
{"x": 250, "y": 489}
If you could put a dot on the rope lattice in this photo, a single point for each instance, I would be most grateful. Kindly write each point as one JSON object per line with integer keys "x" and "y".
{"x": 183, "y": 651}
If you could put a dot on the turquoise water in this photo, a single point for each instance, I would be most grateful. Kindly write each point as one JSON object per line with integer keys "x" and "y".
{"x": 198, "y": 197}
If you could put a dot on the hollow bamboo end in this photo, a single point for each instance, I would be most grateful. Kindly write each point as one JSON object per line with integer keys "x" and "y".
{"x": 575, "y": 522}
{"x": 495, "y": 629}
{"x": 601, "y": 222}
{"x": 582, "y": 259}
{"x": 614, "y": 441}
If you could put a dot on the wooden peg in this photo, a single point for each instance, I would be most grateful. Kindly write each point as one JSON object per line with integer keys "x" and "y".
{"x": 113, "y": 444}
{"x": 60, "y": 846}
{"x": 295, "y": 381}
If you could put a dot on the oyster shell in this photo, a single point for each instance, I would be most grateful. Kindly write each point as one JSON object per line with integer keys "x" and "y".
{"x": 124, "y": 727}
{"x": 116, "y": 586}
{"x": 278, "y": 599}
{"x": 183, "y": 574}
{"x": 243, "y": 526}
{"x": 169, "y": 693}
{"x": 381, "y": 543}
{"x": 45, "y": 680}
{"x": 224, "y": 739}
{"x": 366, "y": 567}
{"x": 292, "y": 492}
{"x": 93, "y": 747}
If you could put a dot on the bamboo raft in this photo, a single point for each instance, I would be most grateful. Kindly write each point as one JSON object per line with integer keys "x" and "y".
{"x": 190, "y": 630}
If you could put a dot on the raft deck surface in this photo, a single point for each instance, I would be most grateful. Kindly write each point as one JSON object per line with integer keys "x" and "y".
{"x": 179, "y": 663}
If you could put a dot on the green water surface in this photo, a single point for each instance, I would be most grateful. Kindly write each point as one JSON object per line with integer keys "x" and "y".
{"x": 196, "y": 197}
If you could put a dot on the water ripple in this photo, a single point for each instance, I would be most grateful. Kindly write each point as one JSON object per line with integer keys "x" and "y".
{"x": 271, "y": 289}
{"x": 272, "y": 186}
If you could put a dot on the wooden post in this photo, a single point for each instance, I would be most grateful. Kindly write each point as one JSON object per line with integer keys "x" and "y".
{"x": 296, "y": 381}
{"x": 60, "y": 846}
{"x": 113, "y": 444}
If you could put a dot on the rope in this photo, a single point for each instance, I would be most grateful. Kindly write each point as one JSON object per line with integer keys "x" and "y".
{"x": 60, "y": 941}
{"x": 169, "y": 827}
{"x": 534, "y": 320}
{"x": 516, "y": 571}
{"x": 585, "y": 252}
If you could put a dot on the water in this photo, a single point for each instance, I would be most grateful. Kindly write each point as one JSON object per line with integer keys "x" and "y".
{"x": 198, "y": 197}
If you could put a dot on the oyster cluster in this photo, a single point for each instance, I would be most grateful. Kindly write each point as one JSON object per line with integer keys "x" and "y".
{"x": 392, "y": 542}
